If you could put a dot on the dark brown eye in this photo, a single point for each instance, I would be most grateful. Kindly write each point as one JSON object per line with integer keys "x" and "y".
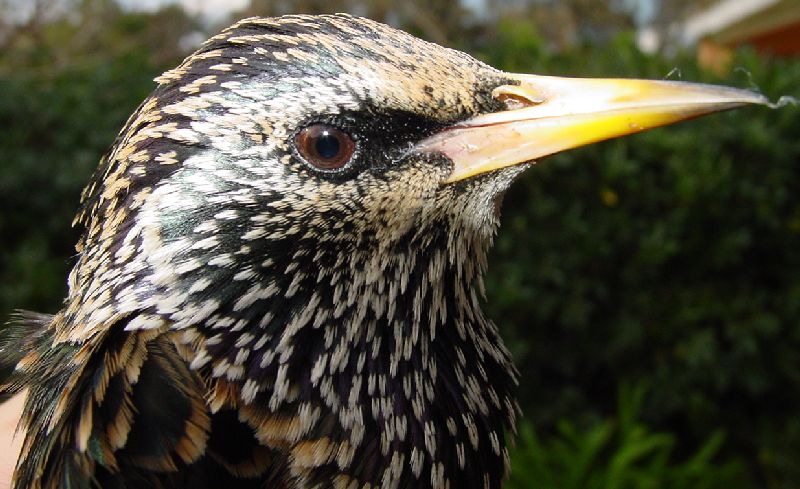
{"x": 325, "y": 147}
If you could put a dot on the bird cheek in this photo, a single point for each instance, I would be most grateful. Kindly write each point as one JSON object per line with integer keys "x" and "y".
{"x": 393, "y": 203}
{"x": 393, "y": 215}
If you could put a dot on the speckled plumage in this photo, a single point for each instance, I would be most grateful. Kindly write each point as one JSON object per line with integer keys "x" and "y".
{"x": 236, "y": 316}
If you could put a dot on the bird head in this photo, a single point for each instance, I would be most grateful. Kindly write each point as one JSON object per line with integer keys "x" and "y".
{"x": 308, "y": 201}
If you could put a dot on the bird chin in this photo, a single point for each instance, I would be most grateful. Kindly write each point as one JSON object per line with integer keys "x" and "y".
{"x": 497, "y": 182}
{"x": 504, "y": 177}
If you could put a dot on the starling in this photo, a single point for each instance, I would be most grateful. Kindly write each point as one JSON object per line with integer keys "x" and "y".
{"x": 279, "y": 280}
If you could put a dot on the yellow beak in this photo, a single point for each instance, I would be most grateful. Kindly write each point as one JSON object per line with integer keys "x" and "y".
{"x": 550, "y": 114}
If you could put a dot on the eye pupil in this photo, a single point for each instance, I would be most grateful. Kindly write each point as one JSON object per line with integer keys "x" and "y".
{"x": 325, "y": 147}
{"x": 328, "y": 145}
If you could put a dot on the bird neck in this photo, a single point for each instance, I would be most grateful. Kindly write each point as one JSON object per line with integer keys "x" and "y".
{"x": 391, "y": 348}
{"x": 403, "y": 314}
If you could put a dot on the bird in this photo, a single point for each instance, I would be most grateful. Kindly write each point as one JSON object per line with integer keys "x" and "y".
{"x": 279, "y": 278}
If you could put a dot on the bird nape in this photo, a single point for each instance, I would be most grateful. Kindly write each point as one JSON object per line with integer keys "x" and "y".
{"x": 279, "y": 280}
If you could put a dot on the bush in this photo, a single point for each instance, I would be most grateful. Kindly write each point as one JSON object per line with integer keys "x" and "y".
{"x": 669, "y": 259}
{"x": 620, "y": 453}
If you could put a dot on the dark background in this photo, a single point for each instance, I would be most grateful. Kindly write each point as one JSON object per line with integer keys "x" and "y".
{"x": 648, "y": 287}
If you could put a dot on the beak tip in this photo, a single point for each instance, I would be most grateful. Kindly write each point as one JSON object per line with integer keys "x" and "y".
{"x": 741, "y": 96}
{"x": 735, "y": 97}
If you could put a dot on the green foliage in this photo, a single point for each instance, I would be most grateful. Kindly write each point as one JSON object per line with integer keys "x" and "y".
{"x": 621, "y": 453}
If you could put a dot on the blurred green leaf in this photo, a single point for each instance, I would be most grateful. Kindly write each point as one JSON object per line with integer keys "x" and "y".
{"x": 621, "y": 454}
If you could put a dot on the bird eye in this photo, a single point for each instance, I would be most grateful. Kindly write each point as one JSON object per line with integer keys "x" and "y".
{"x": 325, "y": 147}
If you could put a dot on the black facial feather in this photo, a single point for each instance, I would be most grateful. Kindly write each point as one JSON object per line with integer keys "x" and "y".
{"x": 226, "y": 288}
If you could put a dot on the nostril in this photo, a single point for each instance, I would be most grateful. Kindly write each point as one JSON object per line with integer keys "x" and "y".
{"x": 515, "y": 97}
